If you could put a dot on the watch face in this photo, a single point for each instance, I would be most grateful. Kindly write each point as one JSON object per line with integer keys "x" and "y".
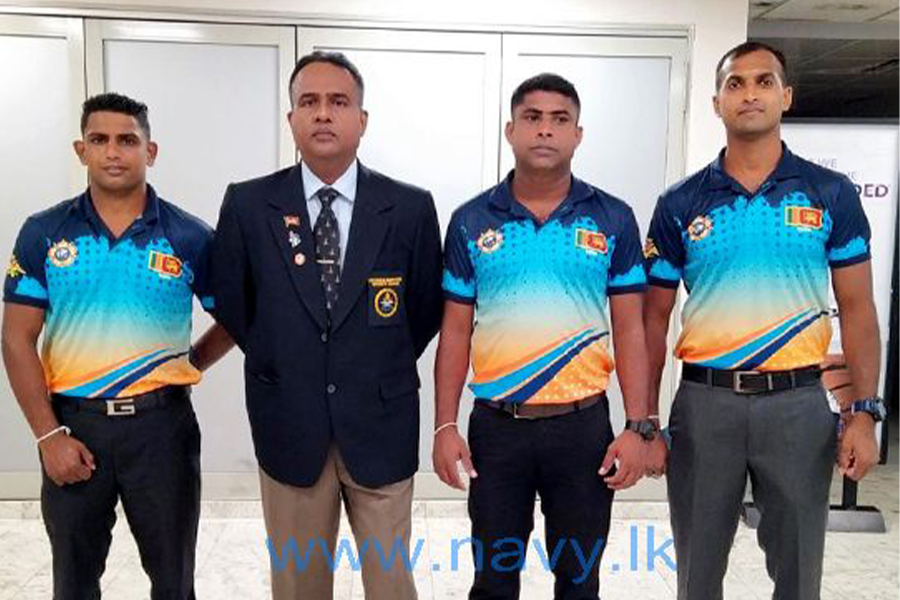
{"x": 647, "y": 430}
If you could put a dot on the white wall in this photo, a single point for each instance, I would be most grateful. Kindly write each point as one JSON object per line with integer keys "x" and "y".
{"x": 715, "y": 26}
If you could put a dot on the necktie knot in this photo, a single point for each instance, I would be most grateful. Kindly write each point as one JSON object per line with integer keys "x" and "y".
{"x": 326, "y": 196}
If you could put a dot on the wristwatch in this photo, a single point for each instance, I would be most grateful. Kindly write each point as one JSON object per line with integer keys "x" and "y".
{"x": 873, "y": 405}
{"x": 646, "y": 428}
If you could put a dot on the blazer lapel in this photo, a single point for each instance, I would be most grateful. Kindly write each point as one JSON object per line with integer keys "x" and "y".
{"x": 289, "y": 216}
{"x": 367, "y": 230}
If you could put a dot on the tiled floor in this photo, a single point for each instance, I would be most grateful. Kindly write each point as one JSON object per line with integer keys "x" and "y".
{"x": 232, "y": 556}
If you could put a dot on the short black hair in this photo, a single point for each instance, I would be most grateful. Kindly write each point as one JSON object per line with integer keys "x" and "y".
{"x": 117, "y": 103}
{"x": 338, "y": 59}
{"x": 746, "y": 48}
{"x": 545, "y": 82}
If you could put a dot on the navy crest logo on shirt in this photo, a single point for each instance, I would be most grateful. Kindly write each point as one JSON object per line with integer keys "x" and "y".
{"x": 15, "y": 269}
{"x": 63, "y": 253}
{"x": 490, "y": 241}
{"x": 700, "y": 228}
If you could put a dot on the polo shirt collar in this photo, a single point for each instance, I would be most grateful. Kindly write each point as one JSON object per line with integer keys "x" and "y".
{"x": 502, "y": 196}
{"x": 85, "y": 206}
{"x": 719, "y": 179}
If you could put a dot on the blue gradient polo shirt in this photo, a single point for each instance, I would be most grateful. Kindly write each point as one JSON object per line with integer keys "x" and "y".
{"x": 542, "y": 332}
{"x": 118, "y": 311}
{"x": 756, "y": 266}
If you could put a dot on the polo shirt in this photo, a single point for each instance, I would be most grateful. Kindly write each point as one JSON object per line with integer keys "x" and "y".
{"x": 756, "y": 265}
{"x": 118, "y": 311}
{"x": 540, "y": 290}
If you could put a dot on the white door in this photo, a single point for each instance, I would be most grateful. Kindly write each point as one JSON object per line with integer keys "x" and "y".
{"x": 42, "y": 74}
{"x": 632, "y": 93}
{"x": 433, "y": 121}
{"x": 217, "y": 98}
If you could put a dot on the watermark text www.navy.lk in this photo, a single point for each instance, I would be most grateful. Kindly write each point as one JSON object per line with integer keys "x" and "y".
{"x": 506, "y": 554}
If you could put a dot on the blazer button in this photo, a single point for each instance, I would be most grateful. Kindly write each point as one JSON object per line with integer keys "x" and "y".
{"x": 331, "y": 388}
{"x": 324, "y": 338}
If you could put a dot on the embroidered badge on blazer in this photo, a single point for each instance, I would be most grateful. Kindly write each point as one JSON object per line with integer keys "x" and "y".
{"x": 385, "y": 300}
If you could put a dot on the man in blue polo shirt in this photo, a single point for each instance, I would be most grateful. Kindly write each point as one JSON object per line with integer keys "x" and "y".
{"x": 109, "y": 276}
{"x": 754, "y": 236}
{"x": 535, "y": 259}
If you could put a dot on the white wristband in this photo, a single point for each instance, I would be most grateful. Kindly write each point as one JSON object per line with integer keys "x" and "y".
{"x": 444, "y": 426}
{"x": 54, "y": 432}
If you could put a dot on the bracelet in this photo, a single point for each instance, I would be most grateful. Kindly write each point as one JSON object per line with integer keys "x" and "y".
{"x": 653, "y": 417}
{"x": 444, "y": 426}
{"x": 53, "y": 432}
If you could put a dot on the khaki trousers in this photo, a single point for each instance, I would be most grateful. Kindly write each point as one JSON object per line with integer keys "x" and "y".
{"x": 308, "y": 519}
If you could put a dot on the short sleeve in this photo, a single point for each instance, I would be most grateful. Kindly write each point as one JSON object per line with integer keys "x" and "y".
{"x": 848, "y": 243}
{"x": 626, "y": 268}
{"x": 459, "y": 274}
{"x": 26, "y": 280}
{"x": 664, "y": 253}
{"x": 202, "y": 283}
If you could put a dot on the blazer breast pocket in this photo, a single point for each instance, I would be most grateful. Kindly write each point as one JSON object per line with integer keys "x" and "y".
{"x": 386, "y": 302}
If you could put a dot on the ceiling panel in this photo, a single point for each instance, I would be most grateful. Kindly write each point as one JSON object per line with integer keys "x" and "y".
{"x": 845, "y": 11}
{"x": 869, "y": 49}
{"x": 761, "y": 7}
{"x": 844, "y": 66}
{"x": 841, "y": 78}
{"x": 804, "y": 49}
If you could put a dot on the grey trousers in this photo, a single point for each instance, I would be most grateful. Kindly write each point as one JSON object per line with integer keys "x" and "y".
{"x": 786, "y": 442}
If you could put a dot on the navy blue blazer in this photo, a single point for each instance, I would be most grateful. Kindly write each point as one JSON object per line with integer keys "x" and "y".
{"x": 311, "y": 383}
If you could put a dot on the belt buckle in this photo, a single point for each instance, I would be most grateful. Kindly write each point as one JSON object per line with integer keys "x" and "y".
{"x": 120, "y": 407}
{"x": 516, "y": 415}
{"x": 737, "y": 384}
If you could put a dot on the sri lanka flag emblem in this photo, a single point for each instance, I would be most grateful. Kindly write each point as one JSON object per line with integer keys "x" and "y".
{"x": 164, "y": 264}
{"x": 592, "y": 241}
{"x": 803, "y": 217}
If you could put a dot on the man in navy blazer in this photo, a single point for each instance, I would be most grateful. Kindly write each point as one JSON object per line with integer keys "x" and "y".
{"x": 328, "y": 276}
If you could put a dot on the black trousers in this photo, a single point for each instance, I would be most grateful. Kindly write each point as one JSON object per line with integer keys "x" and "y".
{"x": 557, "y": 458}
{"x": 151, "y": 462}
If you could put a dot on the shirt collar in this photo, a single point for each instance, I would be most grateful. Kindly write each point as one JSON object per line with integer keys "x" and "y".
{"x": 502, "y": 196}
{"x": 720, "y": 179}
{"x": 345, "y": 184}
{"x": 85, "y": 205}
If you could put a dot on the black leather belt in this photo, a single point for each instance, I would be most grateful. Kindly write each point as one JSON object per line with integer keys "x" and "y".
{"x": 125, "y": 407}
{"x": 752, "y": 382}
{"x": 541, "y": 411}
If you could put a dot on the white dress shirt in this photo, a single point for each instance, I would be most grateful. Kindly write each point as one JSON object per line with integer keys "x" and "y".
{"x": 342, "y": 206}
